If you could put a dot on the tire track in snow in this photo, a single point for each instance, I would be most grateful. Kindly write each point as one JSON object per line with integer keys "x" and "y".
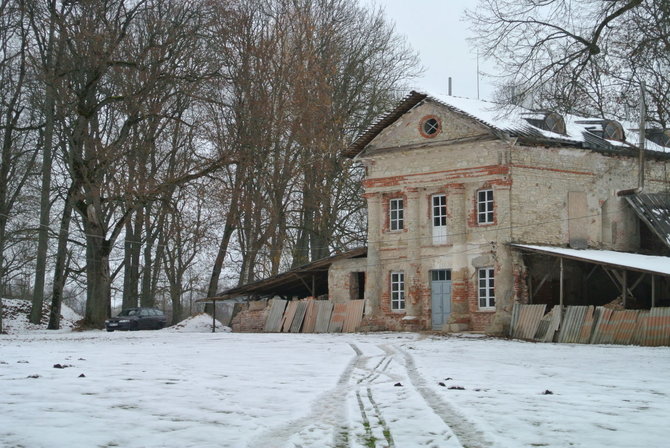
{"x": 468, "y": 434}
{"x": 328, "y": 415}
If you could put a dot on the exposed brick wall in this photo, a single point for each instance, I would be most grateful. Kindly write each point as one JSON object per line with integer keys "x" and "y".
{"x": 250, "y": 319}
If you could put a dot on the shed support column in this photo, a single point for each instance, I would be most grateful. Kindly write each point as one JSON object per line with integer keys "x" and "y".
{"x": 213, "y": 316}
{"x": 653, "y": 290}
{"x": 625, "y": 288}
{"x": 561, "y": 285}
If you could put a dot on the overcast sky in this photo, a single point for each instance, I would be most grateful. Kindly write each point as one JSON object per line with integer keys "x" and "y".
{"x": 438, "y": 31}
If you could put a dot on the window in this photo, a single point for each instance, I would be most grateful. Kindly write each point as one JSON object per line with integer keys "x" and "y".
{"x": 396, "y": 214}
{"x": 440, "y": 275}
{"x": 397, "y": 290}
{"x": 487, "y": 298}
{"x": 429, "y": 126}
{"x": 439, "y": 219}
{"x": 485, "y": 207}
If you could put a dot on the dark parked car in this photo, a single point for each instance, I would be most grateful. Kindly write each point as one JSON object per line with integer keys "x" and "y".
{"x": 137, "y": 319}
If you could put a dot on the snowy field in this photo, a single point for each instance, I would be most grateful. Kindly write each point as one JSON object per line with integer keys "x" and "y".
{"x": 196, "y": 389}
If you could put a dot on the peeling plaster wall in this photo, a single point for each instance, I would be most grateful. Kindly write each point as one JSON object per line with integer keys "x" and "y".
{"x": 531, "y": 187}
{"x": 340, "y": 279}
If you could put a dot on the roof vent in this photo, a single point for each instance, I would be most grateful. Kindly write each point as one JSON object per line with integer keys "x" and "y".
{"x": 547, "y": 121}
{"x": 659, "y": 136}
{"x": 606, "y": 129}
{"x": 612, "y": 130}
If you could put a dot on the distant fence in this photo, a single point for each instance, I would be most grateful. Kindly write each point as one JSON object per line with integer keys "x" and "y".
{"x": 591, "y": 325}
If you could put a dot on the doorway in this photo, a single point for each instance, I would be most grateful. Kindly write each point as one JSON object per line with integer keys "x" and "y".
{"x": 440, "y": 290}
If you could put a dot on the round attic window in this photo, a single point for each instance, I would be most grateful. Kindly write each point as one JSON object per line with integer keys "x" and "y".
{"x": 430, "y": 126}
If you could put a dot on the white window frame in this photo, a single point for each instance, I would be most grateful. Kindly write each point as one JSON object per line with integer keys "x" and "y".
{"x": 396, "y": 214}
{"x": 486, "y": 288}
{"x": 397, "y": 291}
{"x": 485, "y": 206}
{"x": 439, "y": 215}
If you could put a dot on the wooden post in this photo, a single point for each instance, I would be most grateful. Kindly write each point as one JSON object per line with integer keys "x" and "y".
{"x": 625, "y": 288}
{"x": 213, "y": 316}
{"x": 561, "y": 285}
{"x": 313, "y": 286}
{"x": 653, "y": 290}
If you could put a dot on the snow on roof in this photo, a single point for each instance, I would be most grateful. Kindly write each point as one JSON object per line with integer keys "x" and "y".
{"x": 512, "y": 118}
{"x": 646, "y": 263}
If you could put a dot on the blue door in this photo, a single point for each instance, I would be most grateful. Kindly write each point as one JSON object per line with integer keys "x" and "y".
{"x": 440, "y": 288}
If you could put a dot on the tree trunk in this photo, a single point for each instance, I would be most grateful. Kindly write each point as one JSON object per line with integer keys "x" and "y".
{"x": 45, "y": 203}
{"x": 60, "y": 274}
{"x": 220, "y": 257}
{"x": 175, "y": 296}
{"x": 97, "y": 272}
{"x": 132, "y": 249}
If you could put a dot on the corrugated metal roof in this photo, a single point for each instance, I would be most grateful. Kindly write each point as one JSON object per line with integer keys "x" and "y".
{"x": 652, "y": 264}
{"x": 654, "y": 210}
{"x": 296, "y": 282}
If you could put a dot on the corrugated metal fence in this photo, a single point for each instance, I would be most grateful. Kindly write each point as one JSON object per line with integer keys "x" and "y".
{"x": 591, "y": 325}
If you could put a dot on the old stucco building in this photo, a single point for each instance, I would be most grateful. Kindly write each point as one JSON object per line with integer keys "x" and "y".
{"x": 452, "y": 183}
{"x": 473, "y": 208}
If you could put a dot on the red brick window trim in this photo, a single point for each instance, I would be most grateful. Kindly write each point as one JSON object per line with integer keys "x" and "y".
{"x": 430, "y": 126}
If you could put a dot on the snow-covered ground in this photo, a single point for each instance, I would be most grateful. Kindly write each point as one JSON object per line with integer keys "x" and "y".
{"x": 184, "y": 389}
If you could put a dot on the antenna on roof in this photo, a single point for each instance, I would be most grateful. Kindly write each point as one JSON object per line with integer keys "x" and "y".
{"x": 643, "y": 119}
{"x": 449, "y": 90}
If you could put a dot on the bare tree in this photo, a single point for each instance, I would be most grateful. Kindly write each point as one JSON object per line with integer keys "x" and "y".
{"x": 583, "y": 55}
{"x": 17, "y": 126}
{"x": 110, "y": 70}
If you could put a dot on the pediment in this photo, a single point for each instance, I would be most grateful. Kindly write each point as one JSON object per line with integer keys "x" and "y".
{"x": 428, "y": 123}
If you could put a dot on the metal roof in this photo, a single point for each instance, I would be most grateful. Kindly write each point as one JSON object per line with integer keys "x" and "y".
{"x": 651, "y": 264}
{"x": 296, "y": 282}
{"x": 654, "y": 210}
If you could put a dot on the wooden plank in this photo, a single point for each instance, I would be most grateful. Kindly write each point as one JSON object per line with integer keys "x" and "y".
{"x": 601, "y": 331}
{"x": 299, "y": 316}
{"x": 625, "y": 322}
{"x": 658, "y": 327}
{"x": 325, "y": 309}
{"x": 587, "y": 327}
{"x": 528, "y": 320}
{"x": 572, "y": 324}
{"x": 354, "y": 316}
{"x": 288, "y": 316}
{"x": 274, "y": 320}
{"x": 554, "y": 323}
{"x": 310, "y": 316}
{"x": 337, "y": 318}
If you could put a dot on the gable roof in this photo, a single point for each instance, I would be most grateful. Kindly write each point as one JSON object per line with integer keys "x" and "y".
{"x": 654, "y": 210}
{"x": 513, "y": 121}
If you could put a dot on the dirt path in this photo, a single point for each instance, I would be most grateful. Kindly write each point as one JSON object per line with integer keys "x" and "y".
{"x": 380, "y": 401}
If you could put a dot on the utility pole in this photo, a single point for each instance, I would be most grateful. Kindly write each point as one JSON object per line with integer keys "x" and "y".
{"x": 643, "y": 119}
